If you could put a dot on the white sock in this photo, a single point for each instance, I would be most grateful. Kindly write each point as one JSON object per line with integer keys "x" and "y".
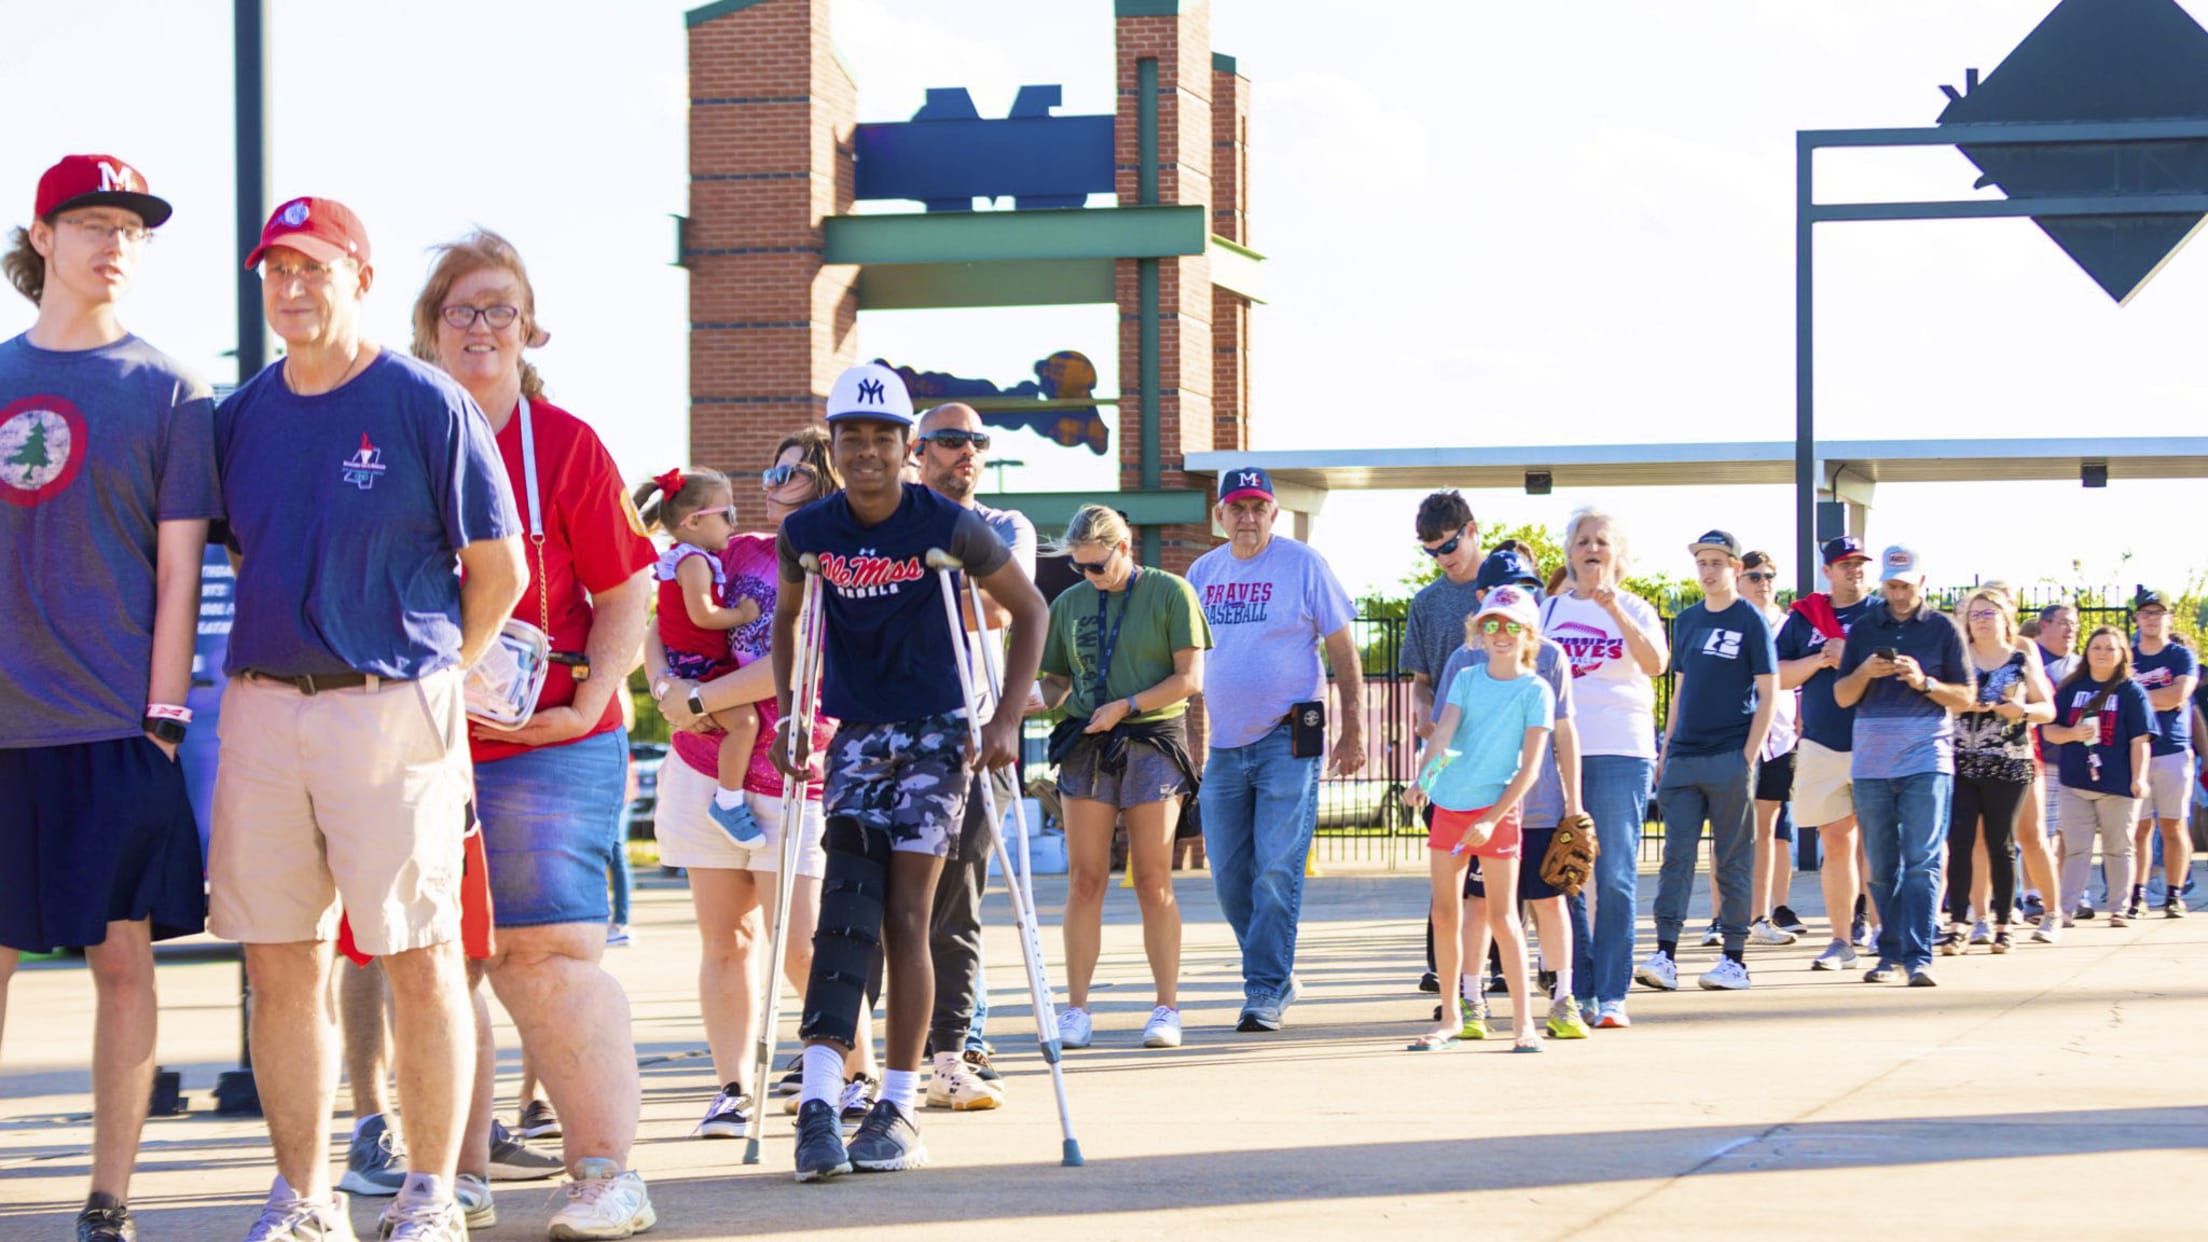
{"x": 902, "y": 1088}
{"x": 1563, "y": 982}
{"x": 422, "y": 1188}
{"x": 728, "y": 799}
{"x": 823, "y": 1074}
{"x": 1468, "y": 986}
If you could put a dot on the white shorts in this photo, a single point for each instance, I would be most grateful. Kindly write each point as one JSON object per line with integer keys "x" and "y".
{"x": 2169, "y": 787}
{"x": 1824, "y": 787}
{"x": 688, "y": 837}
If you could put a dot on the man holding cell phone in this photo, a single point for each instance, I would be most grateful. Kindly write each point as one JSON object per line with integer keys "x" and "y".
{"x": 1905, "y": 673}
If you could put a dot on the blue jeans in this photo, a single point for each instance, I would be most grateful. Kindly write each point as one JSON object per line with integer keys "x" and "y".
{"x": 1904, "y": 823}
{"x": 1260, "y": 806}
{"x": 545, "y": 814}
{"x": 617, "y": 865}
{"x": 1615, "y": 791}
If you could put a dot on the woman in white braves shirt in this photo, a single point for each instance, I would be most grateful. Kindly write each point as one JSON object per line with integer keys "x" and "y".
{"x": 1616, "y": 643}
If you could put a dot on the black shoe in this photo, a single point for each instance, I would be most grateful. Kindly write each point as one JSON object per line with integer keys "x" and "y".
{"x": 1497, "y": 985}
{"x": 820, "y": 1153}
{"x": 1547, "y": 980}
{"x": 2085, "y": 912}
{"x": 793, "y": 1077}
{"x": 1922, "y": 977}
{"x": 887, "y": 1141}
{"x": 1784, "y": 918}
{"x": 106, "y": 1225}
{"x": 1429, "y": 982}
{"x": 2173, "y": 909}
{"x": 1884, "y": 972}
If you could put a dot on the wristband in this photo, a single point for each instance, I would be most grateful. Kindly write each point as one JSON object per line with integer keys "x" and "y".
{"x": 168, "y": 711}
{"x": 166, "y": 722}
{"x": 1132, "y": 709}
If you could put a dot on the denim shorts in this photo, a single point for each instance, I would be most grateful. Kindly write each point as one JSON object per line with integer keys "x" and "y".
{"x": 549, "y": 816}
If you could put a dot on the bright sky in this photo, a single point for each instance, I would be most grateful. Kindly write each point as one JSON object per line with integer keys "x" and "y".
{"x": 1487, "y": 224}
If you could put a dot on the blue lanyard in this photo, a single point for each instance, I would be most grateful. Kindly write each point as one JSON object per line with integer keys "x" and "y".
{"x": 1108, "y": 642}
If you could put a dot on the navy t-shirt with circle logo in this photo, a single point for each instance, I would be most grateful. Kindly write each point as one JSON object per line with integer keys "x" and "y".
{"x": 2173, "y": 729}
{"x": 1721, "y": 654}
{"x": 348, "y": 509}
{"x": 888, "y": 654}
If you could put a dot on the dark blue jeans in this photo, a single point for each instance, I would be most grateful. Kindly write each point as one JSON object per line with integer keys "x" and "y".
{"x": 1904, "y": 821}
{"x": 1260, "y": 806}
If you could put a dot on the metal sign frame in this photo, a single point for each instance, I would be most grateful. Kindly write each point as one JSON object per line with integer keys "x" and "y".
{"x": 1808, "y": 213}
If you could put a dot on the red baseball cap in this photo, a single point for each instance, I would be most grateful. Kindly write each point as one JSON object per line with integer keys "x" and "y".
{"x": 98, "y": 181}
{"x": 322, "y": 229}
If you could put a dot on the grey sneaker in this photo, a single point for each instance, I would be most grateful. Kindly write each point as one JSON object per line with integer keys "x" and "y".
{"x": 1839, "y": 955}
{"x": 424, "y": 1222}
{"x": 538, "y": 1121}
{"x": 471, "y": 1192}
{"x": 1260, "y": 1016}
{"x": 296, "y": 1220}
{"x": 375, "y": 1163}
{"x": 887, "y": 1141}
{"x": 514, "y": 1161}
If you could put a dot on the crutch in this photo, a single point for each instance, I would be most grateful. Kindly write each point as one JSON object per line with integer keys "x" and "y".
{"x": 804, "y": 705}
{"x": 949, "y": 570}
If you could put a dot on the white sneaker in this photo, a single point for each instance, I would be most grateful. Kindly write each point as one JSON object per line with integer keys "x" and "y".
{"x": 1163, "y": 1029}
{"x": 1839, "y": 955}
{"x": 603, "y": 1202}
{"x": 297, "y": 1220}
{"x": 1727, "y": 976}
{"x": 2049, "y": 930}
{"x": 954, "y": 1085}
{"x": 471, "y": 1192}
{"x": 1658, "y": 972}
{"x": 1075, "y": 1028}
{"x": 1981, "y": 933}
{"x": 1762, "y": 931}
{"x": 423, "y": 1222}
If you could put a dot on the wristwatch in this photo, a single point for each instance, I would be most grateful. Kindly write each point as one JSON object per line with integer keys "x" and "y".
{"x": 697, "y": 705}
{"x": 1132, "y": 709}
{"x": 165, "y": 722}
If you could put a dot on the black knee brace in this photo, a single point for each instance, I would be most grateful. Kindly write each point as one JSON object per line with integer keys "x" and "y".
{"x": 850, "y": 930}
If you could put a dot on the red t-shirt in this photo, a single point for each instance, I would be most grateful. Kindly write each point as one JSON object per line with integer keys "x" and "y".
{"x": 593, "y": 542}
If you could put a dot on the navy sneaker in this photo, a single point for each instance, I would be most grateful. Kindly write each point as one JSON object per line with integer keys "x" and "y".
{"x": 820, "y": 1153}
{"x": 375, "y": 1164}
{"x": 1784, "y": 918}
{"x": 887, "y": 1141}
{"x": 106, "y": 1225}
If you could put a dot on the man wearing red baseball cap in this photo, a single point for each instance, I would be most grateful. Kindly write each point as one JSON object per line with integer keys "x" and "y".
{"x": 357, "y": 481}
{"x": 107, "y": 475}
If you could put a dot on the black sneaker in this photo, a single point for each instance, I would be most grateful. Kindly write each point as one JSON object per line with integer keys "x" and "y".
{"x": 820, "y": 1153}
{"x": 887, "y": 1141}
{"x": 538, "y": 1121}
{"x": 1429, "y": 982}
{"x": 2085, "y": 912}
{"x": 106, "y": 1225}
{"x": 1784, "y": 918}
{"x": 793, "y": 1077}
{"x": 1922, "y": 977}
{"x": 2173, "y": 909}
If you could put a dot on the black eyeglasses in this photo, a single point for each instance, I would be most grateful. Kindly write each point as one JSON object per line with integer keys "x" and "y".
{"x": 1093, "y": 569}
{"x": 464, "y": 317}
{"x": 1448, "y": 547}
{"x": 775, "y": 476}
{"x": 955, "y": 439}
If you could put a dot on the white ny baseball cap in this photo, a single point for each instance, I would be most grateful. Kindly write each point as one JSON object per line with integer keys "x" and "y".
{"x": 871, "y": 390}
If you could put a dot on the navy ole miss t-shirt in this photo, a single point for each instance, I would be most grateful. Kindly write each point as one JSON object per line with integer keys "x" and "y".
{"x": 888, "y": 653}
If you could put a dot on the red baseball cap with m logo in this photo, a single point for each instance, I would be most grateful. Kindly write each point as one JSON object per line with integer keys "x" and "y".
{"x": 98, "y": 181}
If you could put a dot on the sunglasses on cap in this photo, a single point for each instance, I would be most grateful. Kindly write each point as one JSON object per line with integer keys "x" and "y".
{"x": 1447, "y": 548}
{"x": 775, "y": 476}
{"x": 956, "y": 439}
{"x": 1493, "y": 624}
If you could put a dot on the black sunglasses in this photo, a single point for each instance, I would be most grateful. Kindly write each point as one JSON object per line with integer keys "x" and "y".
{"x": 1094, "y": 568}
{"x": 775, "y": 476}
{"x": 953, "y": 439}
{"x": 1446, "y": 548}
{"x": 1760, "y": 575}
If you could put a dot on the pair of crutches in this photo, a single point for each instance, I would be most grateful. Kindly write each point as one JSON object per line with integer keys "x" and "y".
{"x": 805, "y": 706}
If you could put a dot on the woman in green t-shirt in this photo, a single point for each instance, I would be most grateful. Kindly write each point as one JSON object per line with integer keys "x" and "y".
{"x": 1124, "y": 653}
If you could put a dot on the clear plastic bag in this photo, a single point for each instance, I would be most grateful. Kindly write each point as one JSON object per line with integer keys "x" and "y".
{"x": 504, "y": 685}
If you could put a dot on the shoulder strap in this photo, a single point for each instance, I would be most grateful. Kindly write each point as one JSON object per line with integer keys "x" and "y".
{"x": 529, "y": 471}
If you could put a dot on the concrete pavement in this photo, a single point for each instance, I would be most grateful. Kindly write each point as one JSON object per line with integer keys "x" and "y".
{"x": 2057, "y": 1090}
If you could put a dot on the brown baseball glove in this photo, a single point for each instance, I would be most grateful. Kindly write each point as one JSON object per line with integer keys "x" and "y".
{"x": 1570, "y": 861}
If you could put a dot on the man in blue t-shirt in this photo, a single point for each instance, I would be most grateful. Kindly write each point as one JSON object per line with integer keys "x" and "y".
{"x": 2168, "y": 671}
{"x": 1721, "y": 709}
{"x": 1272, "y": 603}
{"x": 358, "y": 483}
{"x": 898, "y": 769}
{"x": 1905, "y": 673}
{"x": 1810, "y": 643}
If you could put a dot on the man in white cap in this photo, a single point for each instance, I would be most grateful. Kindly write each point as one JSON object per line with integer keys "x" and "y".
{"x": 898, "y": 770}
{"x": 1905, "y": 673}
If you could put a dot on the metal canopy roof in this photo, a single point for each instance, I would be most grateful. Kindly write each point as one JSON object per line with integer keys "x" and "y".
{"x": 1740, "y": 462}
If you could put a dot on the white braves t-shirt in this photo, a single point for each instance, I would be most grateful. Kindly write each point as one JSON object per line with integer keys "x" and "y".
{"x": 1614, "y": 703}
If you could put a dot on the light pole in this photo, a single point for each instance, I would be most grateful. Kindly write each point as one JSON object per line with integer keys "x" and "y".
{"x": 999, "y": 466}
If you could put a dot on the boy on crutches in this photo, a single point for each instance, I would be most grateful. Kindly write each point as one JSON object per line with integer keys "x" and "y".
{"x": 898, "y": 769}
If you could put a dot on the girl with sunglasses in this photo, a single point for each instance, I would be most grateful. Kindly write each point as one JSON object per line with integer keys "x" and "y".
{"x": 1482, "y": 759}
{"x": 1993, "y": 768}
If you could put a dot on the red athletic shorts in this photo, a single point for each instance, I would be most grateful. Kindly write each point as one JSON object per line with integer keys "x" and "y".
{"x": 1449, "y": 826}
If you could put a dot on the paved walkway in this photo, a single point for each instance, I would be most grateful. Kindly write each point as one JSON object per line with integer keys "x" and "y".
{"x": 2057, "y": 1091}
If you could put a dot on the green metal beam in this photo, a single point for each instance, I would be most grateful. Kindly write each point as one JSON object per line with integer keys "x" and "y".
{"x": 1050, "y": 511}
{"x": 1237, "y": 269}
{"x": 1017, "y": 282}
{"x": 707, "y": 12}
{"x": 1002, "y": 236}
{"x": 1146, "y": 8}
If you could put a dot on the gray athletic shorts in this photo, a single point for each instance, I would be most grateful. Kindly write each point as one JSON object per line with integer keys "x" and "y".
{"x": 2169, "y": 787}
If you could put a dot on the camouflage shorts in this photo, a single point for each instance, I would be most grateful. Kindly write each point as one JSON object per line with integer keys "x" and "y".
{"x": 907, "y": 778}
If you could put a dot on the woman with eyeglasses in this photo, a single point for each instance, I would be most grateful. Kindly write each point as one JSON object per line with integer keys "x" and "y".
{"x": 2104, "y": 725}
{"x": 549, "y": 793}
{"x": 732, "y": 886}
{"x": 1124, "y": 652}
{"x": 1993, "y": 767}
{"x": 1773, "y": 922}
{"x": 1617, "y": 644}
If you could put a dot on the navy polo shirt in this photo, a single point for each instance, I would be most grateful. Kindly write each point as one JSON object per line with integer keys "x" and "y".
{"x": 1898, "y": 731}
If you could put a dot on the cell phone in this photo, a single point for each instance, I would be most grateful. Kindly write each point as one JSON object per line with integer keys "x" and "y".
{"x": 1883, "y": 653}
{"x": 1307, "y": 729}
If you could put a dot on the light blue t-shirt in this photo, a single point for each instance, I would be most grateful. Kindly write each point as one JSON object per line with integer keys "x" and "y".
{"x": 1491, "y": 731}
{"x": 1268, "y": 615}
{"x": 1544, "y": 803}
